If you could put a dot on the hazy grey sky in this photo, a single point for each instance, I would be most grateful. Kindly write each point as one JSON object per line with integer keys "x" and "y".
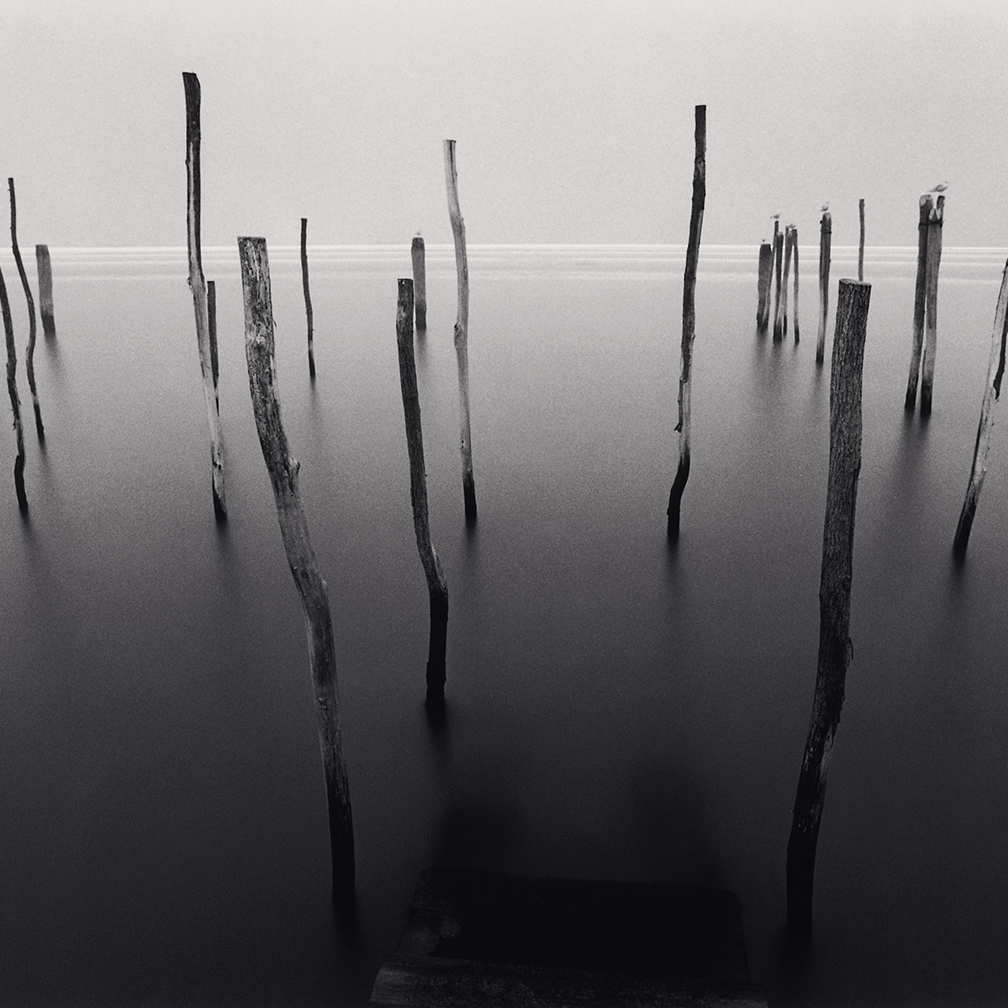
{"x": 574, "y": 120}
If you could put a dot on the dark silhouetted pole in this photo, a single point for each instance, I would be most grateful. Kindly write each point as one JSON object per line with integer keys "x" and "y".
{"x": 782, "y": 306}
{"x": 307, "y": 297}
{"x": 45, "y": 290}
{"x": 794, "y": 250}
{"x": 778, "y": 325}
{"x": 860, "y": 254}
{"x": 417, "y": 253}
{"x": 689, "y": 319}
{"x": 211, "y": 298}
{"x": 314, "y": 595}
{"x": 920, "y": 295}
{"x": 834, "y": 595}
{"x": 825, "y": 238}
{"x": 32, "y": 333}
{"x": 934, "y": 250}
{"x": 437, "y": 586}
{"x": 19, "y": 461}
{"x": 763, "y": 286}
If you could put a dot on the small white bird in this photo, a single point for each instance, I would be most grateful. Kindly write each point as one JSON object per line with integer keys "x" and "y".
{"x": 825, "y": 207}
{"x": 941, "y": 187}
{"x": 775, "y": 216}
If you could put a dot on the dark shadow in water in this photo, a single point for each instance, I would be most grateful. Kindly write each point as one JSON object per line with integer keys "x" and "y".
{"x": 792, "y": 955}
{"x": 476, "y": 832}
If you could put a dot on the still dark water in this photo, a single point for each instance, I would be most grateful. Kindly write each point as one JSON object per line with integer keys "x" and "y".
{"x": 616, "y": 710}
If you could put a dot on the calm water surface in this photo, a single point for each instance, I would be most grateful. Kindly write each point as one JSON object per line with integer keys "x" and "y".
{"x": 616, "y": 709}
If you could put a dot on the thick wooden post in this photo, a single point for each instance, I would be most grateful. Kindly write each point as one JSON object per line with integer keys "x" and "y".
{"x": 312, "y": 590}
{"x": 197, "y": 284}
{"x": 860, "y": 254}
{"x": 794, "y": 251}
{"x": 307, "y": 297}
{"x": 437, "y": 585}
{"x": 689, "y": 318}
{"x": 211, "y": 299}
{"x": 995, "y": 375}
{"x": 32, "y": 332}
{"x": 778, "y": 331}
{"x": 19, "y": 461}
{"x": 763, "y": 287}
{"x": 461, "y": 329}
{"x": 45, "y": 290}
{"x": 934, "y": 250}
{"x": 782, "y": 304}
{"x": 920, "y": 294}
{"x": 834, "y": 595}
{"x": 825, "y": 238}
{"x": 417, "y": 253}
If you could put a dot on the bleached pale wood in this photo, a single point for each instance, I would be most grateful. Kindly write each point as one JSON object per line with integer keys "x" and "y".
{"x": 418, "y": 255}
{"x": 992, "y": 392}
{"x": 834, "y": 595}
{"x": 437, "y": 585}
{"x": 461, "y": 329}
{"x": 825, "y": 238}
{"x": 778, "y": 325}
{"x": 920, "y": 295}
{"x": 312, "y": 590}
{"x": 860, "y": 255}
{"x": 15, "y": 399}
{"x": 307, "y": 297}
{"x": 794, "y": 252}
{"x": 763, "y": 286}
{"x": 689, "y": 318}
{"x": 197, "y": 284}
{"x": 32, "y": 330}
{"x": 211, "y": 293}
{"x": 934, "y": 251}
{"x": 44, "y": 265}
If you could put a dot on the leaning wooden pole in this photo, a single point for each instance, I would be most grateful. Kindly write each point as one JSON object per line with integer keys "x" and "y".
{"x": 778, "y": 331}
{"x": 461, "y": 329}
{"x": 995, "y": 375}
{"x": 763, "y": 287}
{"x": 860, "y": 254}
{"x": 211, "y": 297}
{"x": 32, "y": 331}
{"x": 934, "y": 250}
{"x": 19, "y": 461}
{"x": 197, "y": 284}
{"x": 834, "y": 595}
{"x": 825, "y": 238}
{"x": 44, "y": 265}
{"x": 418, "y": 255}
{"x": 437, "y": 586}
{"x": 794, "y": 252}
{"x": 920, "y": 295}
{"x": 307, "y": 297}
{"x": 314, "y": 595}
{"x": 689, "y": 319}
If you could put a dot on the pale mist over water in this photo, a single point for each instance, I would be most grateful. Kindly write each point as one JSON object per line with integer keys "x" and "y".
{"x": 616, "y": 709}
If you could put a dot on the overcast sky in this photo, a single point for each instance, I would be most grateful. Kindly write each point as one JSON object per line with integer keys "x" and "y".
{"x": 573, "y": 120}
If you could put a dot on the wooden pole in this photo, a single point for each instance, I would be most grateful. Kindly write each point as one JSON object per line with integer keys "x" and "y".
{"x": 689, "y": 318}
{"x": 307, "y": 297}
{"x": 19, "y": 461}
{"x": 794, "y": 250}
{"x": 417, "y": 252}
{"x": 211, "y": 295}
{"x": 45, "y": 290}
{"x": 920, "y": 295}
{"x": 461, "y": 329}
{"x": 782, "y": 307}
{"x": 437, "y": 586}
{"x": 32, "y": 332}
{"x": 763, "y": 287}
{"x": 934, "y": 250}
{"x": 197, "y": 284}
{"x": 995, "y": 375}
{"x": 778, "y": 331}
{"x": 825, "y": 238}
{"x": 312, "y": 590}
{"x": 834, "y": 595}
{"x": 860, "y": 254}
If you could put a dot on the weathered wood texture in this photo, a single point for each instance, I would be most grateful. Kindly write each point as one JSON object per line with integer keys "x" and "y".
{"x": 763, "y": 286}
{"x": 211, "y": 296}
{"x": 44, "y": 264}
{"x": 312, "y": 590}
{"x": 197, "y": 284}
{"x": 782, "y": 305}
{"x": 689, "y": 318}
{"x": 15, "y": 400}
{"x": 992, "y": 392}
{"x": 934, "y": 250}
{"x": 834, "y": 595}
{"x": 32, "y": 329}
{"x": 418, "y": 255}
{"x": 920, "y": 293}
{"x": 307, "y": 298}
{"x": 860, "y": 254}
{"x": 461, "y": 329}
{"x": 778, "y": 331}
{"x": 437, "y": 585}
{"x": 825, "y": 239}
{"x": 794, "y": 252}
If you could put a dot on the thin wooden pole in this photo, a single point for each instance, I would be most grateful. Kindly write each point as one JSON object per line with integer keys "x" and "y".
{"x": 778, "y": 331}
{"x": 995, "y": 375}
{"x": 934, "y": 250}
{"x": 45, "y": 290}
{"x": 437, "y": 585}
{"x": 763, "y": 286}
{"x": 834, "y": 595}
{"x": 794, "y": 251}
{"x": 211, "y": 294}
{"x": 860, "y": 255}
{"x": 32, "y": 332}
{"x": 307, "y": 297}
{"x": 825, "y": 238}
{"x": 783, "y": 308}
{"x": 461, "y": 329}
{"x": 19, "y": 461}
{"x": 312, "y": 590}
{"x": 689, "y": 318}
{"x": 920, "y": 296}
{"x": 197, "y": 284}
{"x": 418, "y": 254}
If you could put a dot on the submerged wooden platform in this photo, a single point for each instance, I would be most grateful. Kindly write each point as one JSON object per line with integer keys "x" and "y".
{"x": 483, "y": 938}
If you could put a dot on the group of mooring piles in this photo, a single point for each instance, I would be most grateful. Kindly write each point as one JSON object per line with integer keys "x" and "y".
{"x": 44, "y": 267}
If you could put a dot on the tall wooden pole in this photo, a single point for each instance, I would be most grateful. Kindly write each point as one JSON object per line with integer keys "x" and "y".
{"x": 689, "y": 318}
{"x": 437, "y": 585}
{"x": 461, "y": 329}
{"x": 211, "y": 296}
{"x": 920, "y": 296}
{"x": 30, "y": 354}
{"x": 778, "y": 325}
{"x": 19, "y": 461}
{"x": 860, "y": 255}
{"x": 825, "y": 238}
{"x": 834, "y": 595}
{"x": 45, "y": 290}
{"x": 782, "y": 306}
{"x": 307, "y": 297}
{"x": 794, "y": 251}
{"x": 995, "y": 375}
{"x": 934, "y": 250}
{"x": 417, "y": 253}
{"x": 312, "y": 590}
{"x": 763, "y": 287}
{"x": 197, "y": 284}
